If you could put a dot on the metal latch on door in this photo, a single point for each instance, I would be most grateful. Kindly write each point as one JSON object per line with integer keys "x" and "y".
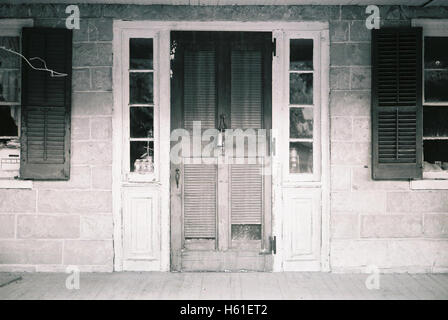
{"x": 177, "y": 176}
{"x": 272, "y": 246}
{"x": 221, "y": 128}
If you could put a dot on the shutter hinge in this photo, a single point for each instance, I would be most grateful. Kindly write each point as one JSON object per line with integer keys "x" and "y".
{"x": 273, "y": 243}
{"x": 274, "y": 47}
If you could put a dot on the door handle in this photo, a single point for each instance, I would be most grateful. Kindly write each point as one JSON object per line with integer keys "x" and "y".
{"x": 221, "y": 129}
{"x": 177, "y": 176}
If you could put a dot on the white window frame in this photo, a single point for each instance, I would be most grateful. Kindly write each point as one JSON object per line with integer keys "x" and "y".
{"x": 315, "y": 176}
{"x": 134, "y": 176}
{"x": 431, "y": 28}
{"x": 13, "y": 28}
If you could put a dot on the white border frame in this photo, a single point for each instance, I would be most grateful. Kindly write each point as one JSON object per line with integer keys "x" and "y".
{"x": 126, "y": 36}
{"x": 163, "y": 29}
{"x": 434, "y": 28}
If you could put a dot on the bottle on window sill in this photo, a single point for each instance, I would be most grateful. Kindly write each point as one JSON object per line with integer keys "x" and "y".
{"x": 145, "y": 165}
{"x": 444, "y": 165}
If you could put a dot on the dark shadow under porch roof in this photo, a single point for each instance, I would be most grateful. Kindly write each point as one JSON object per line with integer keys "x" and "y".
{"x": 244, "y": 2}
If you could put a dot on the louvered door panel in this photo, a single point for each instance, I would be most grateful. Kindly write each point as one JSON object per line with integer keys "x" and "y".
{"x": 246, "y": 188}
{"x": 199, "y": 88}
{"x": 199, "y": 201}
{"x": 396, "y": 103}
{"x": 246, "y": 110}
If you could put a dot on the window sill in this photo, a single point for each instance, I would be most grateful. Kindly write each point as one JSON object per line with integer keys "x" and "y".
{"x": 138, "y": 177}
{"x": 15, "y": 184}
{"x": 429, "y": 184}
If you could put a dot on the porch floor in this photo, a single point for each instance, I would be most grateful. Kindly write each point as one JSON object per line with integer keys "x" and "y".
{"x": 288, "y": 285}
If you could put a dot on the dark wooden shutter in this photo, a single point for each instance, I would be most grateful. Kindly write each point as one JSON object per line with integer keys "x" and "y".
{"x": 46, "y": 105}
{"x": 397, "y": 104}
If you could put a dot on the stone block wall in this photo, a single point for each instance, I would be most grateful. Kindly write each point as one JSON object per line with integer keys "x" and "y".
{"x": 61, "y": 223}
{"x": 381, "y": 223}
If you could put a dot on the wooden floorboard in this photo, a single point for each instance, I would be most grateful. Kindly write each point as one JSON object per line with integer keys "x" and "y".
{"x": 229, "y": 286}
{"x": 439, "y": 282}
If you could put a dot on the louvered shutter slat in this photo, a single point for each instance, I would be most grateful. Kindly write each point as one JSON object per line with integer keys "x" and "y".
{"x": 246, "y": 190}
{"x": 246, "y": 89}
{"x": 46, "y": 105}
{"x": 199, "y": 201}
{"x": 199, "y": 88}
{"x": 396, "y": 104}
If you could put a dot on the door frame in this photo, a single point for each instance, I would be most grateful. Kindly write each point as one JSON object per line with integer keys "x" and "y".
{"x": 162, "y": 184}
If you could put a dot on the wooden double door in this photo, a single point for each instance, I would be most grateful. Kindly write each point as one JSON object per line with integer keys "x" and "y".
{"x": 220, "y": 165}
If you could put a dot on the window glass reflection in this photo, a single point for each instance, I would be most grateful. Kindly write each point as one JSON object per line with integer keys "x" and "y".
{"x": 141, "y": 88}
{"x": 301, "y": 54}
{"x": 142, "y": 122}
{"x": 301, "y": 157}
{"x": 141, "y": 53}
{"x": 301, "y": 123}
{"x": 142, "y": 156}
{"x": 301, "y": 88}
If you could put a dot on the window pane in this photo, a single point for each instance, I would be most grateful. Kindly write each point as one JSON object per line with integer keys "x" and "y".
{"x": 140, "y": 161}
{"x": 301, "y": 88}
{"x": 300, "y": 157}
{"x": 9, "y": 117}
{"x": 435, "y": 121}
{"x": 435, "y": 150}
{"x": 436, "y": 84}
{"x": 141, "y": 53}
{"x": 9, "y": 60}
{"x": 9, "y": 85}
{"x": 301, "y": 54}
{"x": 436, "y": 52}
{"x": 301, "y": 122}
{"x": 246, "y": 231}
{"x": 141, "y": 90}
{"x": 142, "y": 123}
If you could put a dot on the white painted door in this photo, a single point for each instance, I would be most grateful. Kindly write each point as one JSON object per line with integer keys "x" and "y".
{"x": 302, "y": 159}
{"x": 139, "y": 183}
{"x": 141, "y": 229}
